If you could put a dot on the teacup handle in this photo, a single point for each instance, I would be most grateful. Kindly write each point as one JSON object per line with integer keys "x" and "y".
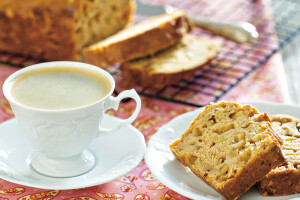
{"x": 114, "y": 102}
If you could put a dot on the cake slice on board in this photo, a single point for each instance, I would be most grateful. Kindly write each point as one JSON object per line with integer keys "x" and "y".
{"x": 139, "y": 40}
{"x": 173, "y": 64}
{"x": 285, "y": 179}
{"x": 229, "y": 146}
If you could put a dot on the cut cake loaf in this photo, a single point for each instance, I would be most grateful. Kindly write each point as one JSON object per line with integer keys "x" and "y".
{"x": 139, "y": 40}
{"x": 229, "y": 146}
{"x": 173, "y": 64}
{"x": 59, "y": 29}
{"x": 285, "y": 179}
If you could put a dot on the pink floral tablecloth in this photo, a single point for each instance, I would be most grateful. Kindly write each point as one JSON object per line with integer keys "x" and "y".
{"x": 267, "y": 83}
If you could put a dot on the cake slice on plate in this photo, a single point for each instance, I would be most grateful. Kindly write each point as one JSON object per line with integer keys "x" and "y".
{"x": 229, "y": 146}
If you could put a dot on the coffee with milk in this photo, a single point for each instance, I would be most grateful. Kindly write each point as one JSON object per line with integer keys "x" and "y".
{"x": 59, "y": 87}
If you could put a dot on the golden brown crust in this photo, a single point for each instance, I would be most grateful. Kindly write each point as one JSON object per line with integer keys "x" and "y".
{"x": 171, "y": 65}
{"x": 255, "y": 171}
{"x": 284, "y": 180}
{"x": 283, "y": 183}
{"x": 138, "y": 77}
{"x": 231, "y": 147}
{"x": 58, "y": 30}
{"x": 142, "y": 44}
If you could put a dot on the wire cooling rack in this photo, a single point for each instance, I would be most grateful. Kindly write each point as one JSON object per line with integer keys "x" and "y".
{"x": 277, "y": 23}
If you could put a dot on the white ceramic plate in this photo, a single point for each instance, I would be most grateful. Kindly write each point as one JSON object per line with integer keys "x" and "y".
{"x": 116, "y": 155}
{"x": 169, "y": 171}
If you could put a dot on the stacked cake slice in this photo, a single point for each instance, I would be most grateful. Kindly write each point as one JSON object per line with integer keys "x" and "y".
{"x": 285, "y": 179}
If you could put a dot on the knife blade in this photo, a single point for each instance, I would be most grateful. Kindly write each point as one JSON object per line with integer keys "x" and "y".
{"x": 149, "y": 10}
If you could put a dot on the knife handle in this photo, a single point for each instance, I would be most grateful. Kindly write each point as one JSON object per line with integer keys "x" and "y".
{"x": 239, "y": 32}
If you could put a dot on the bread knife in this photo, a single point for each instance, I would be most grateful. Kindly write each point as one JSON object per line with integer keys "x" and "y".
{"x": 240, "y": 32}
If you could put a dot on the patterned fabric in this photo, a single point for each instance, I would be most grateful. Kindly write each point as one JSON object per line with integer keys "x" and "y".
{"x": 267, "y": 83}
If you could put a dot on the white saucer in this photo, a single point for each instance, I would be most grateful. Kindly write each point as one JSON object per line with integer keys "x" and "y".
{"x": 169, "y": 171}
{"x": 116, "y": 154}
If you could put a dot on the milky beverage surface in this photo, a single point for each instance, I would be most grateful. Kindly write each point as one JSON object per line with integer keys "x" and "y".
{"x": 56, "y": 88}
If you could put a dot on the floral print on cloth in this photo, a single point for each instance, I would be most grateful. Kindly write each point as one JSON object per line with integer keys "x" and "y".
{"x": 140, "y": 184}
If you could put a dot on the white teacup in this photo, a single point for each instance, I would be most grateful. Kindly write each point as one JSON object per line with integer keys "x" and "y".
{"x": 61, "y": 136}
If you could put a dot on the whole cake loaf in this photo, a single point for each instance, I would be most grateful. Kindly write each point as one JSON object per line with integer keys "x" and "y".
{"x": 139, "y": 40}
{"x": 173, "y": 64}
{"x": 59, "y": 29}
{"x": 285, "y": 179}
{"x": 229, "y": 146}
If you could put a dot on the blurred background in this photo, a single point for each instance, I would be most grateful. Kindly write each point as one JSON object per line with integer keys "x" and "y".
{"x": 278, "y": 25}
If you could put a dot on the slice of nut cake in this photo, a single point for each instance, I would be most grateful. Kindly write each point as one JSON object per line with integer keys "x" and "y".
{"x": 171, "y": 65}
{"x": 229, "y": 146}
{"x": 139, "y": 40}
{"x": 285, "y": 179}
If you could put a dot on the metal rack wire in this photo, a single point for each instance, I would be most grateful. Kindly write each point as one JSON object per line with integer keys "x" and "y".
{"x": 277, "y": 22}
